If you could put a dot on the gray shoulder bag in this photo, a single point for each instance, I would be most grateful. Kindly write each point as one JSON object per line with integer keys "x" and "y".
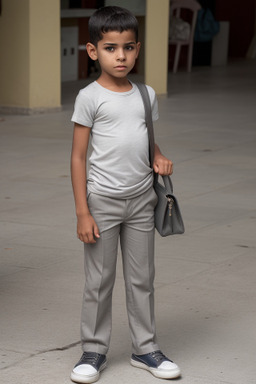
{"x": 168, "y": 219}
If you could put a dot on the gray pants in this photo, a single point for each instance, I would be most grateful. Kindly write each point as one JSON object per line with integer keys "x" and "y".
{"x": 132, "y": 221}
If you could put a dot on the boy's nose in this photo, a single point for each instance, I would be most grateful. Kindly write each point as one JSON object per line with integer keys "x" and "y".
{"x": 121, "y": 55}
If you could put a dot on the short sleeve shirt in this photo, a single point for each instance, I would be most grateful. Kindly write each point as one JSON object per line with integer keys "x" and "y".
{"x": 119, "y": 162}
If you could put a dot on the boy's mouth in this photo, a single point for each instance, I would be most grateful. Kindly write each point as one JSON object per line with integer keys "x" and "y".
{"x": 120, "y": 67}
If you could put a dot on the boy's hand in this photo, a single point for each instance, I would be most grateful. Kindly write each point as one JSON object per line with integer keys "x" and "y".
{"x": 87, "y": 229}
{"x": 162, "y": 165}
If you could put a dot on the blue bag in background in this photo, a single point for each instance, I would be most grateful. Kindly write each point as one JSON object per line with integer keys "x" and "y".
{"x": 206, "y": 26}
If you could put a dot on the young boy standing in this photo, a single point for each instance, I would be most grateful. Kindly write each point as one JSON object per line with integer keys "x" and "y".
{"x": 116, "y": 199}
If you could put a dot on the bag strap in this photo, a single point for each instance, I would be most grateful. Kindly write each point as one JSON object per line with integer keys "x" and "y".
{"x": 167, "y": 183}
{"x": 148, "y": 118}
{"x": 149, "y": 123}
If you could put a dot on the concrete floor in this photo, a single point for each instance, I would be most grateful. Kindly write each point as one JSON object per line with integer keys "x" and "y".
{"x": 205, "y": 280}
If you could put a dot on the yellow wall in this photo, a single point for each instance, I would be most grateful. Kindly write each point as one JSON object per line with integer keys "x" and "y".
{"x": 44, "y": 53}
{"x": 30, "y": 54}
{"x": 30, "y": 78}
{"x": 14, "y": 51}
{"x": 156, "y": 52}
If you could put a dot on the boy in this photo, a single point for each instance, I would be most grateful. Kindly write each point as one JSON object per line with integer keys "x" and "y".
{"x": 117, "y": 199}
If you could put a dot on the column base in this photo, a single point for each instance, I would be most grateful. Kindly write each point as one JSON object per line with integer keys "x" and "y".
{"x": 27, "y": 111}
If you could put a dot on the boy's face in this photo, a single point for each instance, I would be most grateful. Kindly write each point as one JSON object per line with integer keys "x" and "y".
{"x": 116, "y": 53}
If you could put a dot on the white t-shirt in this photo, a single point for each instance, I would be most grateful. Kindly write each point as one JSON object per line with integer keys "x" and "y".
{"x": 119, "y": 163}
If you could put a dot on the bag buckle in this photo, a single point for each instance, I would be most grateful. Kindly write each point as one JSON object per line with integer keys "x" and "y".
{"x": 170, "y": 203}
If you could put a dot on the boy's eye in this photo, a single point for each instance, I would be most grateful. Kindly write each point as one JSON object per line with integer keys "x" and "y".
{"x": 110, "y": 49}
{"x": 127, "y": 48}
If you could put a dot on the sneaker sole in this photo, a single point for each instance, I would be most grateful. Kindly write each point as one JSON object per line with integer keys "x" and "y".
{"x": 87, "y": 379}
{"x": 160, "y": 374}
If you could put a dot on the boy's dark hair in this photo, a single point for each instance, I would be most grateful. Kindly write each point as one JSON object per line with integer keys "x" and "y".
{"x": 111, "y": 18}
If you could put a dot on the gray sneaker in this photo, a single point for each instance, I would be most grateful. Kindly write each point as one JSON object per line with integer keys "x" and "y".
{"x": 88, "y": 369}
{"x": 158, "y": 364}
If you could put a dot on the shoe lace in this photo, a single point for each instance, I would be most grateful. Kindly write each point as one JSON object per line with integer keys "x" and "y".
{"x": 159, "y": 356}
{"x": 90, "y": 358}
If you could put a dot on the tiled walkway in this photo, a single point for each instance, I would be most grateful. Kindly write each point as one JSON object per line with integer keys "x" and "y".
{"x": 205, "y": 281}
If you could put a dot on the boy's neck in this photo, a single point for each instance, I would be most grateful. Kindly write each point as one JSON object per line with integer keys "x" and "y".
{"x": 115, "y": 84}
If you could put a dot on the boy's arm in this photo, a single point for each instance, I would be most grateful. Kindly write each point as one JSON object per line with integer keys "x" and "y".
{"x": 162, "y": 165}
{"x": 87, "y": 229}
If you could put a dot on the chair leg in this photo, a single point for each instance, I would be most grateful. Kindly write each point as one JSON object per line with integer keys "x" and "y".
{"x": 176, "y": 59}
{"x": 190, "y": 54}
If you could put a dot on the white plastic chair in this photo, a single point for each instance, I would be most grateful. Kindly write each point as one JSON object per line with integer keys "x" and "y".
{"x": 175, "y": 10}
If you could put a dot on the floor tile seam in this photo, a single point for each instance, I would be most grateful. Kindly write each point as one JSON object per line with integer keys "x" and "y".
{"x": 50, "y": 182}
{"x": 57, "y": 225}
{"x": 20, "y": 269}
{"x": 202, "y": 236}
{"x": 235, "y": 258}
{"x": 238, "y": 294}
{"x": 230, "y": 240}
{"x": 235, "y": 217}
{"x": 244, "y": 210}
{"x": 211, "y": 267}
{"x": 10, "y": 350}
{"x": 25, "y": 223}
{"x": 221, "y": 147}
{"x": 233, "y": 289}
{"x": 241, "y": 180}
{"x": 202, "y": 157}
{"x": 17, "y": 205}
{"x": 64, "y": 247}
{"x": 40, "y": 247}
{"x": 185, "y": 278}
{"x": 30, "y": 178}
{"x": 192, "y": 259}
{"x": 8, "y": 135}
{"x": 206, "y": 378}
{"x": 178, "y": 281}
{"x": 42, "y": 352}
{"x": 200, "y": 228}
{"x": 217, "y": 189}
{"x": 23, "y": 268}
{"x": 231, "y": 237}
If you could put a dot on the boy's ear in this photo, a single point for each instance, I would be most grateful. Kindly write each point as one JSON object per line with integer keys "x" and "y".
{"x": 138, "y": 49}
{"x": 92, "y": 51}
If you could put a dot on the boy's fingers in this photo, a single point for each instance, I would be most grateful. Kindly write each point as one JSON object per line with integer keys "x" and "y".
{"x": 89, "y": 239}
{"x": 163, "y": 169}
{"x": 96, "y": 231}
{"x": 156, "y": 168}
{"x": 89, "y": 233}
